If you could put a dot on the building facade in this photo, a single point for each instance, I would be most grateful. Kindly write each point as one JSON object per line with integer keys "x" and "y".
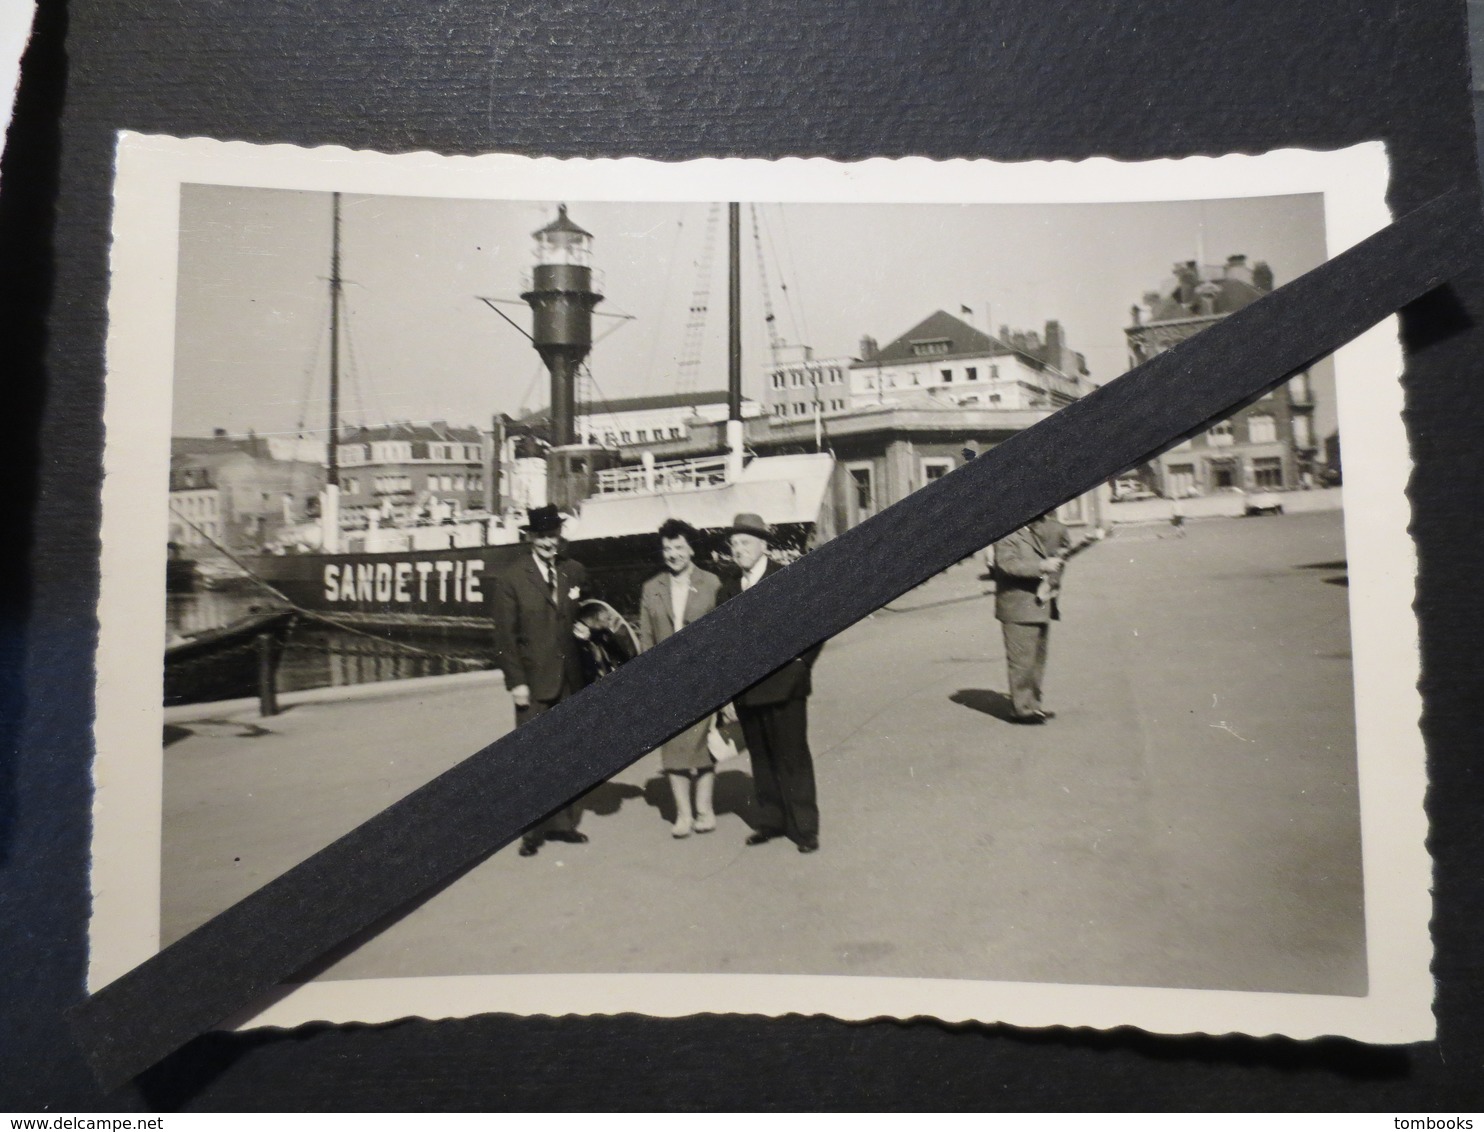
{"x": 403, "y": 471}
{"x": 256, "y": 494}
{"x": 633, "y": 424}
{"x": 884, "y": 453}
{"x": 195, "y": 508}
{"x": 801, "y": 386}
{"x": 948, "y": 358}
{"x": 1267, "y": 446}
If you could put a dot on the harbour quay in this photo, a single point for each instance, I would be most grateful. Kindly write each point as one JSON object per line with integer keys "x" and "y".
{"x": 1188, "y": 819}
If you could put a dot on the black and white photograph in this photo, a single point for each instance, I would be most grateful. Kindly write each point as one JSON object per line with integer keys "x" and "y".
{"x": 405, "y": 451}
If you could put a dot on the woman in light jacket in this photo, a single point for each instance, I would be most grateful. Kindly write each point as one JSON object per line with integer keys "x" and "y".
{"x": 672, "y": 599}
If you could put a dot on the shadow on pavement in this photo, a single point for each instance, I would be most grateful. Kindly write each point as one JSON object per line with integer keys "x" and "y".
{"x": 606, "y": 799}
{"x": 1342, "y": 579}
{"x": 733, "y": 796}
{"x": 989, "y": 702}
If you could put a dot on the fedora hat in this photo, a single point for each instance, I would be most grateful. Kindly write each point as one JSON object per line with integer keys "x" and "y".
{"x": 545, "y": 520}
{"x": 749, "y": 524}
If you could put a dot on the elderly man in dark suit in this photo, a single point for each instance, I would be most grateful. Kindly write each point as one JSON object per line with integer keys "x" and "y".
{"x": 1027, "y": 572}
{"x": 535, "y": 605}
{"x": 774, "y": 712}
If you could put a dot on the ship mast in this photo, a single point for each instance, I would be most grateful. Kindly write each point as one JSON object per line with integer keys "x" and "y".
{"x": 329, "y": 520}
{"x": 734, "y": 343}
{"x": 332, "y": 456}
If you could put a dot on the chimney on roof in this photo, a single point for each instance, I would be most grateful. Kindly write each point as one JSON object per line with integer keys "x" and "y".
{"x": 869, "y": 349}
{"x": 1236, "y": 268}
{"x": 1055, "y": 343}
{"x": 1262, "y": 276}
{"x": 1187, "y": 278}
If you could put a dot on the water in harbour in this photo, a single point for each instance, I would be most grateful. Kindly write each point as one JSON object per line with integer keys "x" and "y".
{"x": 310, "y": 653}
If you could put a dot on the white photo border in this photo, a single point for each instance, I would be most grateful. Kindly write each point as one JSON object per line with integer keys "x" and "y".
{"x": 1382, "y": 566}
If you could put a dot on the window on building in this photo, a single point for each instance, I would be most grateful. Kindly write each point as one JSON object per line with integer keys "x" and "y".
{"x": 936, "y": 467}
{"x": 947, "y": 375}
{"x": 800, "y": 408}
{"x": 674, "y": 434}
{"x": 1073, "y": 511}
{"x": 930, "y": 347}
{"x": 863, "y": 491}
{"x": 1267, "y": 472}
{"x": 1222, "y": 435}
{"x": 780, "y": 410}
{"x": 1303, "y": 430}
{"x": 1180, "y": 480}
{"x": 625, "y": 437}
{"x": 1261, "y": 429}
{"x": 971, "y": 373}
{"x": 458, "y": 483}
{"x": 642, "y": 435}
{"x": 1299, "y": 390}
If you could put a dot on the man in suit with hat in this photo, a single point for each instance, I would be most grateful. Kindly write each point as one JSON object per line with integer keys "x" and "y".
{"x": 1027, "y": 573}
{"x": 535, "y": 605}
{"x": 774, "y": 712}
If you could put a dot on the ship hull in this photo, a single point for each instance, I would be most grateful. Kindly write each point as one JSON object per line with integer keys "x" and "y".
{"x": 452, "y": 588}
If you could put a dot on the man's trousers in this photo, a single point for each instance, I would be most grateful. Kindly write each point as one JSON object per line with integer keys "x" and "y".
{"x": 782, "y": 767}
{"x": 1025, "y": 657}
{"x": 559, "y": 821}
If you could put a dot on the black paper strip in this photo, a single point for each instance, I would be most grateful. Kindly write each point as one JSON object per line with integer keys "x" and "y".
{"x": 247, "y": 951}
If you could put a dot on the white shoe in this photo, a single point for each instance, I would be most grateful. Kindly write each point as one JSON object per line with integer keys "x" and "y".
{"x": 681, "y": 828}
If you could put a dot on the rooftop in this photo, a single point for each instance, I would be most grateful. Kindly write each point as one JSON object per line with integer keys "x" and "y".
{"x": 412, "y": 430}
{"x": 635, "y": 405}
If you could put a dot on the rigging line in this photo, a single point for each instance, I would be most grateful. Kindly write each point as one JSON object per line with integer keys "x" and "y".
{"x": 659, "y": 328}
{"x": 525, "y": 398}
{"x": 688, "y": 360}
{"x": 599, "y": 398}
{"x": 353, "y": 379}
{"x": 312, "y": 368}
{"x": 308, "y": 388}
{"x": 788, "y": 301}
{"x": 371, "y": 393}
{"x": 328, "y": 619}
{"x": 793, "y": 270}
{"x": 610, "y": 330}
{"x": 491, "y": 304}
{"x": 770, "y": 319}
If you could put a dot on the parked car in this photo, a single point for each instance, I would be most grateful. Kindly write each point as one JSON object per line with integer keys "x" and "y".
{"x": 1264, "y": 503}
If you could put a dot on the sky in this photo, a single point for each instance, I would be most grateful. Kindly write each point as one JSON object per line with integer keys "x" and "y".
{"x": 253, "y": 305}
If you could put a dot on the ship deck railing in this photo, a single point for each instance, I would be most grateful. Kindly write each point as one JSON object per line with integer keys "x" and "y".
{"x": 670, "y": 476}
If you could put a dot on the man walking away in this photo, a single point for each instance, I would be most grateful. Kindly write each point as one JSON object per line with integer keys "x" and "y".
{"x": 535, "y": 604}
{"x": 1027, "y": 572}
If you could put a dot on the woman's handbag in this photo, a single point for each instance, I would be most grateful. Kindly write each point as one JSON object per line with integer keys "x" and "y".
{"x": 724, "y": 740}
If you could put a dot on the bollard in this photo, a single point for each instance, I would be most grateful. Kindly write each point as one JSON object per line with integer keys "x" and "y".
{"x": 267, "y": 677}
